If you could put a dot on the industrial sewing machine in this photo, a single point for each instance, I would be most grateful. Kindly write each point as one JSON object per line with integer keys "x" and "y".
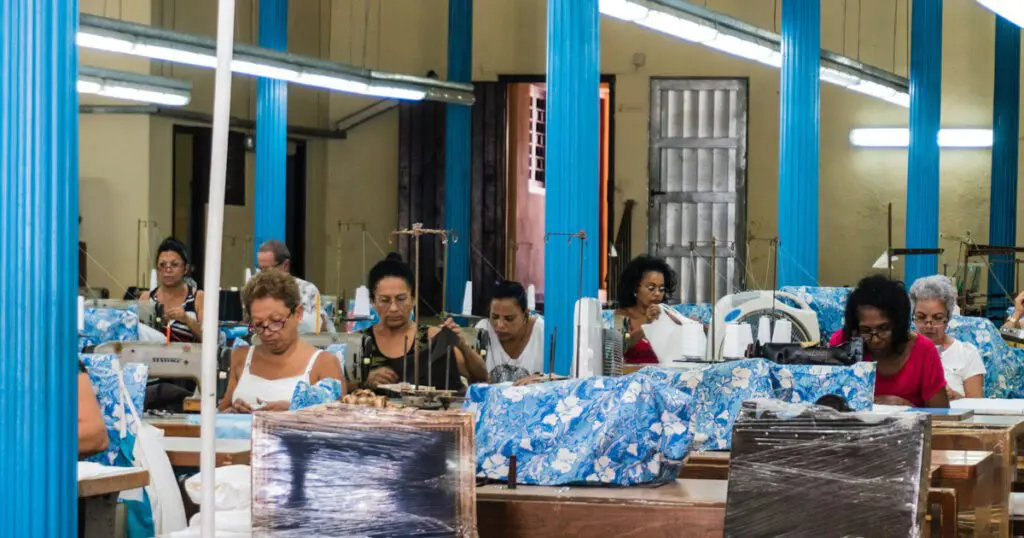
{"x": 174, "y": 361}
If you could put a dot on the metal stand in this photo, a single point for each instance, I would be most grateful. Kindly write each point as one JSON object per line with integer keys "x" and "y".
{"x": 890, "y": 252}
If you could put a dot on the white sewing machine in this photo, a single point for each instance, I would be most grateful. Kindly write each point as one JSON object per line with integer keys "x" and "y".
{"x": 165, "y": 361}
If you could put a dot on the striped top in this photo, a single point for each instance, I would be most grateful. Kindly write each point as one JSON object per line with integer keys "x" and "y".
{"x": 179, "y": 331}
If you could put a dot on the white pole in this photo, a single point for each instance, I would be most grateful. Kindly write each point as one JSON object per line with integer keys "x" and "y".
{"x": 211, "y": 274}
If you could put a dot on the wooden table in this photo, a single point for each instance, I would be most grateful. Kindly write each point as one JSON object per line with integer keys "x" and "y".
{"x": 184, "y": 451}
{"x": 97, "y": 500}
{"x": 683, "y": 509}
{"x": 971, "y": 475}
{"x": 176, "y": 425}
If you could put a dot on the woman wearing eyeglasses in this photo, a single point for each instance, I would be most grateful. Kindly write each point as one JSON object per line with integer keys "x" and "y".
{"x": 264, "y": 376}
{"x": 179, "y": 305}
{"x": 645, "y": 283}
{"x": 909, "y": 370}
{"x": 933, "y": 299}
{"x": 393, "y": 338}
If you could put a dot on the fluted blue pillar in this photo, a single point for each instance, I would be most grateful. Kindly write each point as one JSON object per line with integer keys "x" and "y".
{"x": 457, "y": 160}
{"x": 1002, "y": 217}
{"x": 923, "y": 155}
{"x": 38, "y": 267}
{"x": 573, "y": 175}
{"x": 798, "y": 143}
{"x": 271, "y": 130}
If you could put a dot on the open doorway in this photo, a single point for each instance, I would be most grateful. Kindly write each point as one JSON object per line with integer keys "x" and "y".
{"x": 192, "y": 146}
{"x": 527, "y": 156}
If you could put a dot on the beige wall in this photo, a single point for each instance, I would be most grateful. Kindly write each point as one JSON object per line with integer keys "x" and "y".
{"x": 354, "y": 180}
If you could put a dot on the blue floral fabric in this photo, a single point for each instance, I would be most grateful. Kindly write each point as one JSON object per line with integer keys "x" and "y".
{"x": 102, "y": 370}
{"x": 803, "y": 383}
{"x": 306, "y": 395}
{"x": 828, "y": 303}
{"x": 1004, "y": 365}
{"x": 600, "y": 430}
{"x": 228, "y": 425}
{"x": 718, "y": 391}
{"x": 104, "y": 325}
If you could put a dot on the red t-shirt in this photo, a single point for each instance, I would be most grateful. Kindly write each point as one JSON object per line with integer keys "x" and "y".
{"x": 920, "y": 378}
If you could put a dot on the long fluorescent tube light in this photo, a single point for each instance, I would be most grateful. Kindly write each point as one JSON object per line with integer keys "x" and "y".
{"x": 123, "y": 37}
{"x": 900, "y": 138}
{"x": 1011, "y": 10}
{"x": 689, "y": 22}
{"x": 133, "y": 87}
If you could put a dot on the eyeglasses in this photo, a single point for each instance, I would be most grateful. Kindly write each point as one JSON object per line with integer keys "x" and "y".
{"x": 880, "y": 332}
{"x": 653, "y": 289}
{"x": 933, "y": 322}
{"x": 384, "y": 303}
{"x": 270, "y": 327}
{"x": 169, "y": 266}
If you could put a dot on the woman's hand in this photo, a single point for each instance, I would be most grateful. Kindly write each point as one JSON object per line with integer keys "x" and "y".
{"x": 454, "y": 327}
{"x": 272, "y": 406}
{"x": 531, "y": 380}
{"x": 381, "y": 376}
{"x": 1018, "y": 306}
{"x": 239, "y": 406}
{"x": 952, "y": 394}
{"x": 653, "y": 313}
{"x": 176, "y": 313}
{"x": 892, "y": 400}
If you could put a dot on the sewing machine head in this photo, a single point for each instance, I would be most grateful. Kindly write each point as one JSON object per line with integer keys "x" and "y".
{"x": 165, "y": 361}
{"x": 115, "y": 304}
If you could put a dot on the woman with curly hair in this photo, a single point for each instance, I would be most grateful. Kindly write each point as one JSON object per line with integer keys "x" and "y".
{"x": 644, "y": 284}
{"x": 909, "y": 369}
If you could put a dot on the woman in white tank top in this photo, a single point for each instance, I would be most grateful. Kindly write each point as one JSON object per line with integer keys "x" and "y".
{"x": 263, "y": 377}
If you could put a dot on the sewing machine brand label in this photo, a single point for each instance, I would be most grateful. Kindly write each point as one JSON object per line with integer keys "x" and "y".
{"x": 167, "y": 359}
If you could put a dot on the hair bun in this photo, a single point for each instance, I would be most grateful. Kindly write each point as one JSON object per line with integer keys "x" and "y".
{"x": 394, "y": 257}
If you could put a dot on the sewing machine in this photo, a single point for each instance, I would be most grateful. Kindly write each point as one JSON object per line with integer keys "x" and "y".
{"x": 165, "y": 361}
{"x": 116, "y": 304}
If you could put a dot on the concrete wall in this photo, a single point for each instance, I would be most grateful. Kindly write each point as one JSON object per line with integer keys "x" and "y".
{"x": 354, "y": 180}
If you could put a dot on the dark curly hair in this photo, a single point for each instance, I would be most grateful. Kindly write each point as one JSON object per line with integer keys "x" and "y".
{"x": 889, "y": 296}
{"x": 634, "y": 272}
{"x": 391, "y": 267}
{"x": 171, "y": 244}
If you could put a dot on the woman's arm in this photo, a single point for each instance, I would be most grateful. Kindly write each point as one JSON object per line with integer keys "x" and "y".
{"x": 939, "y": 401}
{"x": 196, "y": 325}
{"x": 974, "y": 387}
{"x": 471, "y": 365}
{"x": 237, "y": 363}
{"x": 92, "y": 433}
{"x": 328, "y": 366}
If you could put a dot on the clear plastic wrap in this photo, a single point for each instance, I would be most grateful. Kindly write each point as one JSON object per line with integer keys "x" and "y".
{"x": 341, "y": 470}
{"x": 811, "y": 471}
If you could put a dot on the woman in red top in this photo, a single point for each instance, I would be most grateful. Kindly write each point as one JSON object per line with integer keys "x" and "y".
{"x": 909, "y": 370}
{"x": 644, "y": 284}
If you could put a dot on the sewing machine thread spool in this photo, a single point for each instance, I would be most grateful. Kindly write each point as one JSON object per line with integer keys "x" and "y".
{"x": 783, "y": 333}
{"x": 694, "y": 342}
{"x": 735, "y": 345}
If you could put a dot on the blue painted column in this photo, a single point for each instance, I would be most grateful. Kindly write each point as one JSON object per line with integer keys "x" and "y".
{"x": 457, "y": 160}
{"x": 1002, "y": 223}
{"x": 573, "y": 175}
{"x": 798, "y": 143}
{"x": 38, "y": 267}
{"x": 271, "y": 131}
{"x": 923, "y": 157}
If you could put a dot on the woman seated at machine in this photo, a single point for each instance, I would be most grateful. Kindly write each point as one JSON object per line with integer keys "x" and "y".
{"x": 519, "y": 352}
{"x": 909, "y": 370}
{"x": 264, "y": 376}
{"x": 391, "y": 344}
{"x": 92, "y": 432}
{"x": 1014, "y": 321}
{"x": 178, "y": 305}
{"x": 645, "y": 283}
{"x": 933, "y": 299}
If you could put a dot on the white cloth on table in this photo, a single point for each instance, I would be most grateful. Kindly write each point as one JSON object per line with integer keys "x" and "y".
{"x": 232, "y": 502}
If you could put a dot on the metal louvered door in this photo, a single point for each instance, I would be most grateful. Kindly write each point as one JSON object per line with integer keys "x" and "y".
{"x": 698, "y": 152}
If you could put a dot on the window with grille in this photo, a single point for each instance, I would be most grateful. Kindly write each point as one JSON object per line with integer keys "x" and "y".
{"x": 538, "y": 138}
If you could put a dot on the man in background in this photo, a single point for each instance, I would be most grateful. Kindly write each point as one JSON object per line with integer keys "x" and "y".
{"x": 275, "y": 255}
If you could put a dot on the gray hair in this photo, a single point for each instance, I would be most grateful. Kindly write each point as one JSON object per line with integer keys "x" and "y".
{"x": 278, "y": 249}
{"x": 937, "y": 287}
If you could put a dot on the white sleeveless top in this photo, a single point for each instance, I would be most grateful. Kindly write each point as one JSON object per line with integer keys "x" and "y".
{"x": 252, "y": 387}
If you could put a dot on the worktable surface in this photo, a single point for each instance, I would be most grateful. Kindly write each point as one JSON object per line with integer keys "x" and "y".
{"x": 119, "y": 479}
{"x": 681, "y": 492}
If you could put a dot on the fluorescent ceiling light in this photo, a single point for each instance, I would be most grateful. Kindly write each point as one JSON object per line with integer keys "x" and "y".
{"x": 133, "y": 87}
{"x": 1011, "y": 10}
{"x": 900, "y": 138}
{"x": 122, "y": 37}
{"x": 696, "y": 24}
